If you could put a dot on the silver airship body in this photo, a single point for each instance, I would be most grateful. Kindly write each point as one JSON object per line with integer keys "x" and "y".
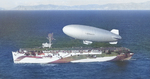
{"x": 89, "y": 34}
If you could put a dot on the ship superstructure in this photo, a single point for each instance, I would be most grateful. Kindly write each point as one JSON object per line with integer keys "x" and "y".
{"x": 50, "y": 38}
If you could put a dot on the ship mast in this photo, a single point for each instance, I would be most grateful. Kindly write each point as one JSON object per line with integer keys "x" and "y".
{"x": 50, "y": 38}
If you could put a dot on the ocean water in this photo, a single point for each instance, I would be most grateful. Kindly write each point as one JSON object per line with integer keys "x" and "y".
{"x": 20, "y": 29}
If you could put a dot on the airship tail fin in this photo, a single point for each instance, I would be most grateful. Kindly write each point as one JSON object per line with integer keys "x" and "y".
{"x": 115, "y": 31}
{"x": 113, "y": 42}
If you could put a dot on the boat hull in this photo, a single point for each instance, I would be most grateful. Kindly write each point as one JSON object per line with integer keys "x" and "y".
{"x": 69, "y": 58}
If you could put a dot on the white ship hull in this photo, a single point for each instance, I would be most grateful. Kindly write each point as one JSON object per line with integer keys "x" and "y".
{"x": 66, "y": 57}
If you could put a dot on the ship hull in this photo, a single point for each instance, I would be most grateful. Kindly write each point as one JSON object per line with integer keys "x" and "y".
{"x": 69, "y": 58}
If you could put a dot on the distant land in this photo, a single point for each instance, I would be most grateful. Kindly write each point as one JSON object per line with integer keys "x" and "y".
{"x": 121, "y": 6}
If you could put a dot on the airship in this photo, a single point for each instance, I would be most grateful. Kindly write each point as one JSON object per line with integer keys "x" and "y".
{"x": 91, "y": 34}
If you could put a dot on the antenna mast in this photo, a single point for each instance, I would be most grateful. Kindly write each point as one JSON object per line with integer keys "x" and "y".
{"x": 50, "y": 38}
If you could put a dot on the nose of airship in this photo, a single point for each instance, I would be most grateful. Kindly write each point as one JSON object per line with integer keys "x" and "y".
{"x": 64, "y": 29}
{"x": 67, "y": 30}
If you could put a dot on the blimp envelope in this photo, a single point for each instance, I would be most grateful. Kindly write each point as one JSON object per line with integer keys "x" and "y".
{"x": 89, "y": 34}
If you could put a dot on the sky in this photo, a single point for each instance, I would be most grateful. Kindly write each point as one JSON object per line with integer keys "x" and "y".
{"x": 8, "y": 4}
